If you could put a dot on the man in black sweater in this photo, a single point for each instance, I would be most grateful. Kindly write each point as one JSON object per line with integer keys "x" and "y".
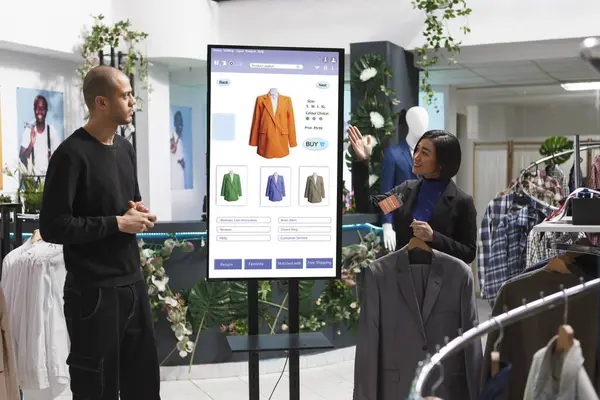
{"x": 92, "y": 206}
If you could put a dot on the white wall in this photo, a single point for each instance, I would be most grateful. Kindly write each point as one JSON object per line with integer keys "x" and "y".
{"x": 154, "y": 174}
{"x": 187, "y": 204}
{"x": 53, "y": 25}
{"x": 182, "y": 28}
{"x": 307, "y": 23}
{"x": 28, "y": 71}
{"x": 176, "y": 28}
{"x": 500, "y": 122}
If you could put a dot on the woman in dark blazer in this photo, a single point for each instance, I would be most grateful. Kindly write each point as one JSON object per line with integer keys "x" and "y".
{"x": 432, "y": 208}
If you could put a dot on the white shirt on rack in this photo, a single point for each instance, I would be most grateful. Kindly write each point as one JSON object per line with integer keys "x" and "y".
{"x": 34, "y": 275}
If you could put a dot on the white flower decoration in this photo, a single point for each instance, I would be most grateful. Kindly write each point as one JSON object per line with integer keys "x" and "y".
{"x": 161, "y": 284}
{"x": 147, "y": 253}
{"x": 368, "y": 73}
{"x": 377, "y": 120}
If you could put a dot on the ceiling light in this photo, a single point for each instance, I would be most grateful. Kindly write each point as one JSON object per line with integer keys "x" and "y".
{"x": 579, "y": 86}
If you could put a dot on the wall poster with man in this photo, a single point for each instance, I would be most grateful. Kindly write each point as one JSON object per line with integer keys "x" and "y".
{"x": 180, "y": 145}
{"x": 40, "y": 127}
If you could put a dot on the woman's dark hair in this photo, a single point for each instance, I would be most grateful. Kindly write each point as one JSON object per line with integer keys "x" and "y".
{"x": 447, "y": 152}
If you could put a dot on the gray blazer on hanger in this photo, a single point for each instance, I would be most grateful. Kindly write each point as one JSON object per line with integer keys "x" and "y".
{"x": 395, "y": 332}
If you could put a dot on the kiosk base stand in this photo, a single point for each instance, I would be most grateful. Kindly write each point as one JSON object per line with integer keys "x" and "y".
{"x": 293, "y": 342}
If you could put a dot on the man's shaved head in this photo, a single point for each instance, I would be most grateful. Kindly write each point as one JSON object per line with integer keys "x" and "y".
{"x": 100, "y": 81}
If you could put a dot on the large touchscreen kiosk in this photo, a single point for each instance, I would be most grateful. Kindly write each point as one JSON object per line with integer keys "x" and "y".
{"x": 274, "y": 162}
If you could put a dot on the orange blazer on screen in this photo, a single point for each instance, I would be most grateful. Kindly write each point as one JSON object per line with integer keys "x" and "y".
{"x": 273, "y": 133}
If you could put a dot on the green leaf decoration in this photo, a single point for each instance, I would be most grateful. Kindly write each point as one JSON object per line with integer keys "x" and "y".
{"x": 209, "y": 304}
{"x": 238, "y": 307}
{"x": 376, "y": 115}
{"x": 369, "y": 62}
{"x": 555, "y": 145}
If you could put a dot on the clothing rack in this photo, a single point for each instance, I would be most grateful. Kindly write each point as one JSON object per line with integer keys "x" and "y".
{"x": 496, "y": 323}
{"x": 8, "y": 212}
{"x": 527, "y": 309}
{"x": 588, "y": 146}
{"x": 590, "y": 52}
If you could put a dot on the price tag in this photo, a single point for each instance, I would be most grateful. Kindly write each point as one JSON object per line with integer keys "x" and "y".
{"x": 389, "y": 204}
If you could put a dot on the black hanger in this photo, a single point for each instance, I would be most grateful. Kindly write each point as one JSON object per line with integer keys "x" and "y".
{"x": 521, "y": 198}
{"x": 419, "y": 254}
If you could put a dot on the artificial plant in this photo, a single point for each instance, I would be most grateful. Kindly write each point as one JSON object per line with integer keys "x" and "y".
{"x": 555, "y": 145}
{"x": 376, "y": 113}
{"x": 103, "y": 37}
{"x": 224, "y": 304}
{"x": 439, "y": 42}
{"x": 30, "y": 188}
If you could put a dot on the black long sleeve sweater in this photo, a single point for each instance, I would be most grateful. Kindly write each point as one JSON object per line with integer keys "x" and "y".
{"x": 88, "y": 184}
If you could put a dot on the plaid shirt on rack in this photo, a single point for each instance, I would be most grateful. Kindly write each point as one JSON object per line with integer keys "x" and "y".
{"x": 554, "y": 171}
{"x": 494, "y": 212}
{"x": 509, "y": 248}
{"x": 539, "y": 245}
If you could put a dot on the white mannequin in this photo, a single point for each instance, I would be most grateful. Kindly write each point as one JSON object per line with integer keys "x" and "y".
{"x": 275, "y": 176}
{"x": 231, "y": 174}
{"x": 417, "y": 119}
{"x": 315, "y": 177}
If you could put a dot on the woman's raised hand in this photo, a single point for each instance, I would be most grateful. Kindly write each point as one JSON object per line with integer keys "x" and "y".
{"x": 362, "y": 147}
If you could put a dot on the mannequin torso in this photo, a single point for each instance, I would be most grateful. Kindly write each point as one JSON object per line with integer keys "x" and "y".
{"x": 398, "y": 164}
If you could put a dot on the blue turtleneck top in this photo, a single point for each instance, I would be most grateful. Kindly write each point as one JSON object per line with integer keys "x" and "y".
{"x": 430, "y": 193}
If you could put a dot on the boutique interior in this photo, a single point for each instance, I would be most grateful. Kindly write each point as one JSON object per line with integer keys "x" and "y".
{"x": 520, "y": 320}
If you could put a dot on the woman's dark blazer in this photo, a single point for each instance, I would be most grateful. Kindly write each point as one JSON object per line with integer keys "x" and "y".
{"x": 454, "y": 218}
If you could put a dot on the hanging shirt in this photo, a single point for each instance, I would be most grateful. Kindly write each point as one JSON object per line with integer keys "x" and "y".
{"x": 594, "y": 182}
{"x": 430, "y": 193}
{"x": 523, "y": 339}
{"x": 33, "y": 278}
{"x": 559, "y": 376}
{"x": 508, "y": 257}
{"x": 496, "y": 386}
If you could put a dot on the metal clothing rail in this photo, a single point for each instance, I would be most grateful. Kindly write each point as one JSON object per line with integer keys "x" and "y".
{"x": 496, "y": 323}
{"x": 588, "y": 146}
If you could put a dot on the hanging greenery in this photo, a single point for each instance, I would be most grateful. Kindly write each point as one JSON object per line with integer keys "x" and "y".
{"x": 162, "y": 298}
{"x": 376, "y": 114}
{"x": 102, "y": 37}
{"x": 439, "y": 42}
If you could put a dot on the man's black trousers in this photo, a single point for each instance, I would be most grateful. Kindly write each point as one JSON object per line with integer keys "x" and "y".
{"x": 113, "y": 347}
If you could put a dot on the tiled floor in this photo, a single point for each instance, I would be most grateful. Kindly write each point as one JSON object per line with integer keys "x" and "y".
{"x": 318, "y": 383}
{"x": 327, "y": 376}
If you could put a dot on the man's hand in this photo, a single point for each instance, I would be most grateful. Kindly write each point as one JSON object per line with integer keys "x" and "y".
{"x": 139, "y": 206}
{"x": 33, "y": 137}
{"x": 134, "y": 221}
